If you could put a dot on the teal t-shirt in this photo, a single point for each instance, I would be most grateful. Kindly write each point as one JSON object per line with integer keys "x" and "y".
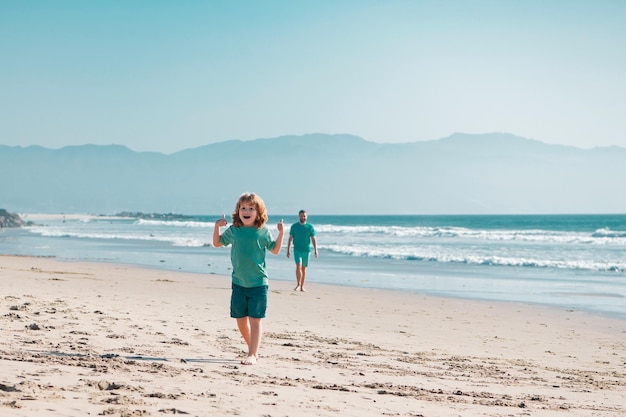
{"x": 301, "y": 234}
{"x": 247, "y": 254}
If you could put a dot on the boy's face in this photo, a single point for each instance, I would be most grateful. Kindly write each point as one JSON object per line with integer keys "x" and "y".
{"x": 247, "y": 214}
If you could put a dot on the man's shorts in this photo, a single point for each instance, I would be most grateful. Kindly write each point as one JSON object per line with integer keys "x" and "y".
{"x": 301, "y": 257}
{"x": 248, "y": 302}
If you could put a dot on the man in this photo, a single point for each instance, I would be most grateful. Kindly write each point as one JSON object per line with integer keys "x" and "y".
{"x": 302, "y": 234}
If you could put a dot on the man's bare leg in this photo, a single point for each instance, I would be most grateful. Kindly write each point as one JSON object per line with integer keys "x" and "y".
{"x": 302, "y": 277}
{"x": 298, "y": 277}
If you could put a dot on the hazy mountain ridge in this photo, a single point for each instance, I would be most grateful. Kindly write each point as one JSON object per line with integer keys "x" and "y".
{"x": 490, "y": 173}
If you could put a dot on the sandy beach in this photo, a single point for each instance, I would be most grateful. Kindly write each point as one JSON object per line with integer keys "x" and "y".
{"x": 104, "y": 339}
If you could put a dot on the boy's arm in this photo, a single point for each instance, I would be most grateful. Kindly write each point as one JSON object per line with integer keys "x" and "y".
{"x": 279, "y": 240}
{"x": 216, "y": 231}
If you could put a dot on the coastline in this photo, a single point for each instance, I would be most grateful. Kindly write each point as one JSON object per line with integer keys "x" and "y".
{"x": 95, "y": 339}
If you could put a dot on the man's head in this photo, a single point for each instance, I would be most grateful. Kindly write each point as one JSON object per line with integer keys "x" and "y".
{"x": 302, "y": 216}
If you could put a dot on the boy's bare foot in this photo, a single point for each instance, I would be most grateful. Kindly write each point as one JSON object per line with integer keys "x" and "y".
{"x": 297, "y": 288}
{"x": 302, "y": 289}
{"x": 250, "y": 360}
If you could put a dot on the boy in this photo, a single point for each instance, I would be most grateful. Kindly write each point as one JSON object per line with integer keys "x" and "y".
{"x": 250, "y": 239}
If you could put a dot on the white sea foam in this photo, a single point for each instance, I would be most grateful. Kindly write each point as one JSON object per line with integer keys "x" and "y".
{"x": 600, "y": 236}
{"x": 412, "y": 253}
{"x": 175, "y": 240}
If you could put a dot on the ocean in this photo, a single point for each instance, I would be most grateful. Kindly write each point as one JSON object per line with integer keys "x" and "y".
{"x": 575, "y": 262}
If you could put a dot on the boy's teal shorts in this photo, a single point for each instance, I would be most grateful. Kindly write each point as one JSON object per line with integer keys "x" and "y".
{"x": 248, "y": 302}
{"x": 301, "y": 257}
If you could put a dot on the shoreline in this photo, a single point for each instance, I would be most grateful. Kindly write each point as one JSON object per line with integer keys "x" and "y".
{"x": 184, "y": 247}
{"x": 511, "y": 303}
{"x": 97, "y": 338}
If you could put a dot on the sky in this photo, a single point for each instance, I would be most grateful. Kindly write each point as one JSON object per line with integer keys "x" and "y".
{"x": 164, "y": 76}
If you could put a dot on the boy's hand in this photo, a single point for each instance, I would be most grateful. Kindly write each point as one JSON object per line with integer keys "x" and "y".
{"x": 280, "y": 225}
{"x": 221, "y": 222}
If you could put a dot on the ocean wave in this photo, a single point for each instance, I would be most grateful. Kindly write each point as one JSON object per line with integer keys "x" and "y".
{"x": 600, "y": 236}
{"x": 608, "y": 233}
{"x": 416, "y": 254}
{"x": 184, "y": 241}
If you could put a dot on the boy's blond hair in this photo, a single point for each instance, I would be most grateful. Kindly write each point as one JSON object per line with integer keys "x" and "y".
{"x": 261, "y": 211}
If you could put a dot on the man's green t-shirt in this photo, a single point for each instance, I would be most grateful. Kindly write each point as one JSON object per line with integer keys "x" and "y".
{"x": 248, "y": 254}
{"x": 301, "y": 234}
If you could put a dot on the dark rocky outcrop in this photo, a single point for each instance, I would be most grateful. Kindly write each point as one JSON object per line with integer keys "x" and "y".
{"x": 10, "y": 219}
{"x": 153, "y": 216}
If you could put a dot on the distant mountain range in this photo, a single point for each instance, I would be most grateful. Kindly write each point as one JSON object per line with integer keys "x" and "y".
{"x": 326, "y": 174}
